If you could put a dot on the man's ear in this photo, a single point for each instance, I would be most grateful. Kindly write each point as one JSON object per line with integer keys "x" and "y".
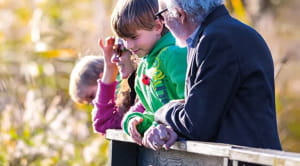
{"x": 181, "y": 15}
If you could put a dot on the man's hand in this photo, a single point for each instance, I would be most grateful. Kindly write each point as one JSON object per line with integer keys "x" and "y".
{"x": 159, "y": 137}
{"x": 152, "y": 138}
{"x": 132, "y": 129}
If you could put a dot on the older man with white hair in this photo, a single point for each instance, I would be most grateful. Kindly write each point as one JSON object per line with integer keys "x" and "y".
{"x": 229, "y": 83}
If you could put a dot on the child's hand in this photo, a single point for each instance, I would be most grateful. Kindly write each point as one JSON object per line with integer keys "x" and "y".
{"x": 110, "y": 69}
{"x": 107, "y": 50}
{"x": 132, "y": 128}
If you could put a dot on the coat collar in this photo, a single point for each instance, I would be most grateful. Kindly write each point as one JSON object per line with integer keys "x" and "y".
{"x": 213, "y": 15}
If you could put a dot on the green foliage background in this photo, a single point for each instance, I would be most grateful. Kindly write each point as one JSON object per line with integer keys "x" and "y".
{"x": 40, "y": 40}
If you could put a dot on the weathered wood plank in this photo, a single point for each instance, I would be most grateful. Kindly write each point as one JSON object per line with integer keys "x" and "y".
{"x": 176, "y": 158}
{"x": 265, "y": 156}
{"x": 117, "y": 135}
{"x": 216, "y": 149}
{"x": 205, "y": 148}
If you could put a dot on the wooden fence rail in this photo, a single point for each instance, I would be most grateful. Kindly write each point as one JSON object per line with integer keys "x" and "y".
{"x": 123, "y": 152}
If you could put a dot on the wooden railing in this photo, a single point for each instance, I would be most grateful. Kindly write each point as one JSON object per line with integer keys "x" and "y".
{"x": 123, "y": 152}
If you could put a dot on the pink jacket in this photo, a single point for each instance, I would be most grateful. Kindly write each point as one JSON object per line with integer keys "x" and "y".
{"x": 105, "y": 114}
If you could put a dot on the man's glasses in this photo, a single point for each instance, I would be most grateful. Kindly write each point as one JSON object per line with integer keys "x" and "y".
{"x": 159, "y": 16}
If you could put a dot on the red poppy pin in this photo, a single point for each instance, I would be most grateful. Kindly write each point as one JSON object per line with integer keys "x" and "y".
{"x": 146, "y": 80}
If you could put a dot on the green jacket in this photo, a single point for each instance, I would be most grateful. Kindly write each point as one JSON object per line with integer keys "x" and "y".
{"x": 160, "y": 78}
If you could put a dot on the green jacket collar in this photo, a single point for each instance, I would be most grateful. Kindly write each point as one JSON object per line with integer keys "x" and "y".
{"x": 164, "y": 41}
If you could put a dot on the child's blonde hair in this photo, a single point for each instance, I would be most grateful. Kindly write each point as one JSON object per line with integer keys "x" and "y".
{"x": 132, "y": 15}
{"x": 83, "y": 76}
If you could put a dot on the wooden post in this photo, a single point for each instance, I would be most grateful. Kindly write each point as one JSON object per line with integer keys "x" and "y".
{"x": 123, "y": 154}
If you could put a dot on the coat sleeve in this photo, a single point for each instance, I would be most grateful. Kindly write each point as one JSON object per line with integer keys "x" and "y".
{"x": 138, "y": 110}
{"x": 211, "y": 87}
{"x": 105, "y": 114}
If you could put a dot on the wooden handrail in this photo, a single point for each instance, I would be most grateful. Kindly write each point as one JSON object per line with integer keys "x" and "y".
{"x": 225, "y": 153}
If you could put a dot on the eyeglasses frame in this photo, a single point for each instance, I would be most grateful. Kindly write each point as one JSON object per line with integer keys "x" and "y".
{"x": 159, "y": 16}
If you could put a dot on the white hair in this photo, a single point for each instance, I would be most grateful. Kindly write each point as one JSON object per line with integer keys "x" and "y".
{"x": 195, "y": 9}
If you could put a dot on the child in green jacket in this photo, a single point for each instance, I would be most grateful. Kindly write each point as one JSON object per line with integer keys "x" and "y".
{"x": 162, "y": 69}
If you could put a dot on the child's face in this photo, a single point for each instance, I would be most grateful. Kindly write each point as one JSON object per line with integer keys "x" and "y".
{"x": 142, "y": 42}
{"x": 125, "y": 64}
{"x": 89, "y": 94}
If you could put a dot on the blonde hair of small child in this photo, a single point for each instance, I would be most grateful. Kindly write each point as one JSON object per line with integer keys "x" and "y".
{"x": 84, "y": 75}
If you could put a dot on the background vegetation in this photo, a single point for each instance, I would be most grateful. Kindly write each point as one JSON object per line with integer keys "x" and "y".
{"x": 40, "y": 40}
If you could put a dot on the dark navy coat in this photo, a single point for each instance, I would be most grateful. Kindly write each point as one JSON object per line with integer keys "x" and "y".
{"x": 229, "y": 87}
